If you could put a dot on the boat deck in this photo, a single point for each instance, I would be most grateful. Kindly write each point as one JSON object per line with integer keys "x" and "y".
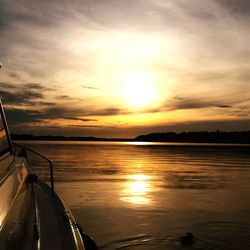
{"x": 57, "y": 227}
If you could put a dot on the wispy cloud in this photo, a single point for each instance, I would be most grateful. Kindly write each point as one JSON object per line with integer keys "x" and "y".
{"x": 195, "y": 103}
{"x": 20, "y": 98}
{"x": 24, "y": 94}
{"x": 240, "y": 7}
{"x": 89, "y": 87}
{"x": 17, "y": 115}
{"x": 15, "y": 76}
{"x": 81, "y": 112}
{"x": 25, "y": 86}
{"x": 64, "y": 97}
{"x": 79, "y": 119}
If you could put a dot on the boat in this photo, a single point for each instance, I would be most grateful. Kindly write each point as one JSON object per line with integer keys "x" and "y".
{"x": 32, "y": 214}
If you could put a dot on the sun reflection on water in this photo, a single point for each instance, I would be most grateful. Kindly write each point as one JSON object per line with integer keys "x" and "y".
{"x": 137, "y": 190}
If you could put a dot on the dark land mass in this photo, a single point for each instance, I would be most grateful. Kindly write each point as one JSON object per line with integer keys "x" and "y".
{"x": 198, "y": 137}
{"x": 195, "y": 137}
{"x": 26, "y": 137}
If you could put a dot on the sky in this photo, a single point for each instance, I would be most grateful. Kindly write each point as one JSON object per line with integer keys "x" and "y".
{"x": 121, "y": 68}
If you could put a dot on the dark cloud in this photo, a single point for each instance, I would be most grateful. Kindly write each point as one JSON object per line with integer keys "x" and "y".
{"x": 241, "y": 111}
{"x": 223, "y": 106}
{"x": 189, "y": 103}
{"x": 64, "y": 97}
{"x": 79, "y": 119}
{"x": 81, "y": 112}
{"x": 23, "y": 94}
{"x": 17, "y": 116}
{"x": 181, "y": 103}
{"x": 89, "y": 126}
{"x": 107, "y": 112}
{"x": 20, "y": 98}
{"x": 25, "y": 97}
{"x": 24, "y": 86}
{"x": 240, "y": 7}
{"x": 43, "y": 103}
{"x": 36, "y": 86}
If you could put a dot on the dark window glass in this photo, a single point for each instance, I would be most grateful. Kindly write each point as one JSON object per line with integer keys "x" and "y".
{"x": 4, "y": 144}
{"x": 1, "y": 123}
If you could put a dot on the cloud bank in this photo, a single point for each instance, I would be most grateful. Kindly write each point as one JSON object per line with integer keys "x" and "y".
{"x": 198, "y": 49}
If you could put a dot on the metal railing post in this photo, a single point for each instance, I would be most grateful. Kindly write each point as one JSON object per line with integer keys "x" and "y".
{"x": 45, "y": 158}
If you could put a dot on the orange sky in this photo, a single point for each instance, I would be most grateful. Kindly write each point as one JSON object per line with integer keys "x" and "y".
{"x": 123, "y": 68}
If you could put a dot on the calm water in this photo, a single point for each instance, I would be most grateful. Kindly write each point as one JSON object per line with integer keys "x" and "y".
{"x": 131, "y": 196}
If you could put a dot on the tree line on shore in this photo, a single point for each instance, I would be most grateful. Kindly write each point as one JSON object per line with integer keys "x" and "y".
{"x": 196, "y": 137}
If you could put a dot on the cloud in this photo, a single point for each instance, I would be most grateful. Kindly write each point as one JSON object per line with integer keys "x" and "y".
{"x": 42, "y": 28}
{"x": 89, "y": 126}
{"x": 24, "y": 86}
{"x": 107, "y": 112}
{"x": 5, "y": 85}
{"x": 89, "y": 87}
{"x": 79, "y": 119}
{"x": 64, "y": 97}
{"x": 185, "y": 103}
{"x": 20, "y": 98}
{"x": 36, "y": 86}
{"x": 239, "y": 7}
{"x": 195, "y": 103}
{"x": 14, "y": 75}
{"x": 17, "y": 115}
{"x": 82, "y": 112}
{"x": 24, "y": 94}
{"x": 132, "y": 131}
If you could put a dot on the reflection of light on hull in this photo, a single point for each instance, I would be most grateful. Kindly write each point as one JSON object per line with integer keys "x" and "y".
{"x": 136, "y": 190}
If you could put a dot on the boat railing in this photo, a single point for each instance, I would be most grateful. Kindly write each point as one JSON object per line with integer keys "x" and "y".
{"x": 51, "y": 167}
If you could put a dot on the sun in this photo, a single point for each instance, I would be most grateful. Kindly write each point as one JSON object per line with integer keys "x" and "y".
{"x": 138, "y": 89}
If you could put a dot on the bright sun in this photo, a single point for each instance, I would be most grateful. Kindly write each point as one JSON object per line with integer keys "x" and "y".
{"x": 138, "y": 89}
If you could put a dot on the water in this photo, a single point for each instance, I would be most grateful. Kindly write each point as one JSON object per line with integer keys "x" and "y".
{"x": 146, "y": 196}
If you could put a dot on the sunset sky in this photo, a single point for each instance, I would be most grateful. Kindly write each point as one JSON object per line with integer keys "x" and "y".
{"x": 121, "y": 68}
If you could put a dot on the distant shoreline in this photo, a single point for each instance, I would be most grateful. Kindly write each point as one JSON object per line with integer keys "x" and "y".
{"x": 26, "y": 137}
{"x": 242, "y": 137}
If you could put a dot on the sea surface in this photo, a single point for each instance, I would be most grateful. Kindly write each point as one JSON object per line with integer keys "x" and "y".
{"x": 148, "y": 195}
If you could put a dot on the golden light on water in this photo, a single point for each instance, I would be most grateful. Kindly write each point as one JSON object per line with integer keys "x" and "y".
{"x": 139, "y": 177}
{"x": 137, "y": 190}
{"x": 140, "y": 143}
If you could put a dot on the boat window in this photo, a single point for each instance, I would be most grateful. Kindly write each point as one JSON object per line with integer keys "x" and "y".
{"x": 4, "y": 143}
{"x": 1, "y": 123}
